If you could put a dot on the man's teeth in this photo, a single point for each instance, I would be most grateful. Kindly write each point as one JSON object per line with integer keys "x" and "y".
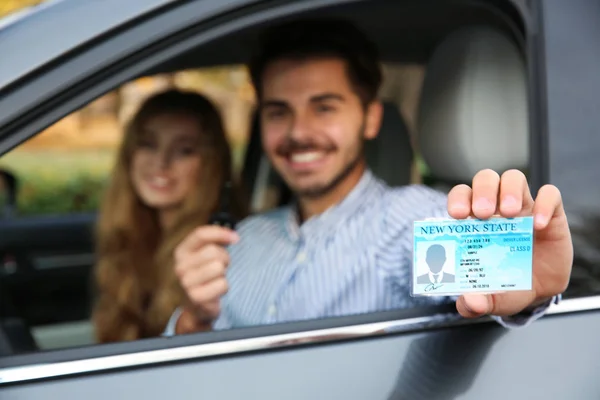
{"x": 307, "y": 157}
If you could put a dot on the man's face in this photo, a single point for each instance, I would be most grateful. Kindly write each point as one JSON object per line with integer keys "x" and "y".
{"x": 313, "y": 123}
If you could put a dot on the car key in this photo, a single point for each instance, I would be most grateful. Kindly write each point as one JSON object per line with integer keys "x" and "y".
{"x": 223, "y": 217}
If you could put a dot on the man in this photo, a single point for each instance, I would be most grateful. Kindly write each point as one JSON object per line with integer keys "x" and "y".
{"x": 435, "y": 259}
{"x": 344, "y": 247}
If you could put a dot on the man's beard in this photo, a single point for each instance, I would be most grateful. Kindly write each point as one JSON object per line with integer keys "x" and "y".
{"x": 317, "y": 191}
{"x": 320, "y": 190}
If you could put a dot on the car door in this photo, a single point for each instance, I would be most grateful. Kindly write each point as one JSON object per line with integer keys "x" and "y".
{"x": 404, "y": 354}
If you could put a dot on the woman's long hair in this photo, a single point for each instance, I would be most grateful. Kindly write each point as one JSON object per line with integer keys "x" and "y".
{"x": 136, "y": 283}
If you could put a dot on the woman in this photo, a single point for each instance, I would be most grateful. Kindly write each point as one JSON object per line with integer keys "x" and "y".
{"x": 171, "y": 167}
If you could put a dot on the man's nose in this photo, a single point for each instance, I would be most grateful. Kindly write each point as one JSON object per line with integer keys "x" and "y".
{"x": 301, "y": 127}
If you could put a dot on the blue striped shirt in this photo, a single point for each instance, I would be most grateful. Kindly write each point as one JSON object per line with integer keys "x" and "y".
{"x": 354, "y": 258}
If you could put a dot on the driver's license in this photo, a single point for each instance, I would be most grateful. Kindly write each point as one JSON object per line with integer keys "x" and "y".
{"x": 452, "y": 257}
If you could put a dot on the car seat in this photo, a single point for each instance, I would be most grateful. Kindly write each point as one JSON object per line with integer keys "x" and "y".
{"x": 473, "y": 108}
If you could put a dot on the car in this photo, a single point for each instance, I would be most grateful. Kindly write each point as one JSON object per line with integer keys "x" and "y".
{"x": 88, "y": 49}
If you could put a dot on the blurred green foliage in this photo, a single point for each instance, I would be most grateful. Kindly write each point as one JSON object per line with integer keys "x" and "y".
{"x": 78, "y": 194}
{"x": 58, "y": 182}
{"x": 52, "y": 182}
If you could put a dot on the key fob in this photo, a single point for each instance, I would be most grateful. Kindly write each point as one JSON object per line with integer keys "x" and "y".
{"x": 223, "y": 217}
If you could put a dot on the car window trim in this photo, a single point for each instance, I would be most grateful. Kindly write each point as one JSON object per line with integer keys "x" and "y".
{"x": 154, "y": 54}
{"x": 81, "y": 46}
{"x": 68, "y": 354}
{"x": 539, "y": 149}
{"x": 87, "y": 366}
{"x": 257, "y": 343}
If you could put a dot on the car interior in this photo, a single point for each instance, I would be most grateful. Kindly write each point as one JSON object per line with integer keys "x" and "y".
{"x": 475, "y": 81}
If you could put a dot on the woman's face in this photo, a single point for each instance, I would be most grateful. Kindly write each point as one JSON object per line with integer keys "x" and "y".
{"x": 166, "y": 161}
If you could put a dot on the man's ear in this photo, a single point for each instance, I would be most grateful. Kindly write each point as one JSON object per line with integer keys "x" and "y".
{"x": 373, "y": 119}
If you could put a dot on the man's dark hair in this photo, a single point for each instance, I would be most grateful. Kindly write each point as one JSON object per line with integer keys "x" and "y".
{"x": 302, "y": 39}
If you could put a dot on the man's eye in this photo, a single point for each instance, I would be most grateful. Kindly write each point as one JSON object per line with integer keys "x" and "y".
{"x": 275, "y": 114}
{"x": 323, "y": 108}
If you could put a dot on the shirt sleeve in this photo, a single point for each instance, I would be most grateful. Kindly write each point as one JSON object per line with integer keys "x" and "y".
{"x": 521, "y": 320}
{"x": 172, "y": 323}
{"x": 222, "y": 322}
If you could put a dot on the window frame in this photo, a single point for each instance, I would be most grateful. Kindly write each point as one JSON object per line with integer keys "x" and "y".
{"x": 183, "y": 26}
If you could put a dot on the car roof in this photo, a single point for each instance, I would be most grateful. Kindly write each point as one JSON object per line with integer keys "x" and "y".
{"x": 36, "y": 35}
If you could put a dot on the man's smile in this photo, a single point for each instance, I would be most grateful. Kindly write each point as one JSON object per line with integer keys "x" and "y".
{"x": 306, "y": 160}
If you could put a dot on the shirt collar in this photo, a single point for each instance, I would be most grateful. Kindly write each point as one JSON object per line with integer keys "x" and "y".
{"x": 361, "y": 194}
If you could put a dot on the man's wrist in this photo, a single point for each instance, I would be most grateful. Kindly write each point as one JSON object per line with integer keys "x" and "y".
{"x": 537, "y": 306}
{"x": 188, "y": 322}
{"x": 528, "y": 315}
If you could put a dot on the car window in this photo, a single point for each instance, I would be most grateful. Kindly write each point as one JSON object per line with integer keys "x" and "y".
{"x": 63, "y": 170}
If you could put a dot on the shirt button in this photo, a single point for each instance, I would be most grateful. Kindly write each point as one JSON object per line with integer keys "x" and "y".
{"x": 272, "y": 309}
{"x": 301, "y": 257}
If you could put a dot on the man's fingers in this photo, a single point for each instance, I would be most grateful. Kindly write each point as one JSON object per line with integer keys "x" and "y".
{"x": 459, "y": 202}
{"x": 200, "y": 276}
{"x": 209, "y": 292}
{"x": 472, "y": 305}
{"x": 200, "y": 264}
{"x": 210, "y": 234}
{"x": 211, "y": 309}
{"x": 515, "y": 197}
{"x": 485, "y": 193}
{"x": 491, "y": 194}
{"x": 207, "y": 254}
{"x": 547, "y": 205}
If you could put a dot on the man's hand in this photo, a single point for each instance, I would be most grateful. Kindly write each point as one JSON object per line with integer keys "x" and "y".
{"x": 200, "y": 264}
{"x": 509, "y": 196}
